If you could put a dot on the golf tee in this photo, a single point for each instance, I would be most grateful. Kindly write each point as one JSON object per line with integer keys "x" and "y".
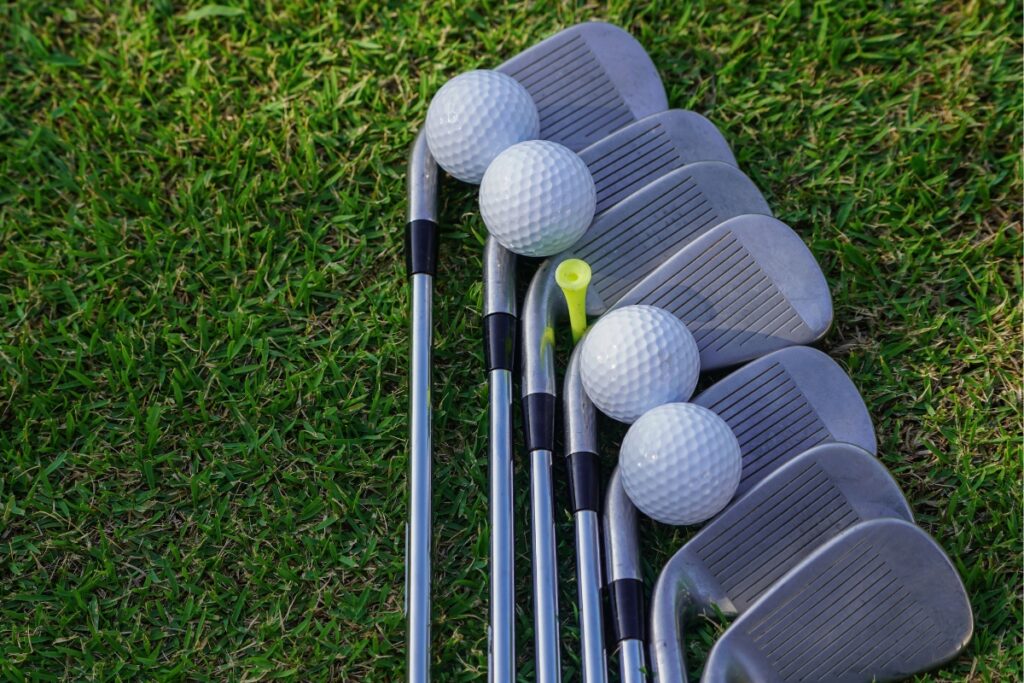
{"x": 573, "y": 276}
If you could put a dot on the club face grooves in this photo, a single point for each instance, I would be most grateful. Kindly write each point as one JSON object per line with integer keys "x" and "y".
{"x": 745, "y": 288}
{"x": 644, "y": 231}
{"x": 880, "y": 601}
{"x": 587, "y": 82}
{"x": 749, "y": 553}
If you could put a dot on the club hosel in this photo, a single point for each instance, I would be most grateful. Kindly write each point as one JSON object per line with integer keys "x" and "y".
{"x": 581, "y": 440}
{"x": 580, "y": 413}
{"x": 421, "y": 231}
{"x": 666, "y": 635}
{"x": 621, "y": 538}
{"x": 622, "y": 563}
{"x": 684, "y": 588}
{"x": 500, "y": 321}
{"x": 542, "y": 308}
{"x": 540, "y": 311}
{"x": 422, "y": 175}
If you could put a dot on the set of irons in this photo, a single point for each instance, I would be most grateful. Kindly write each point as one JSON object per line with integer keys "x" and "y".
{"x": 817, "y": 552}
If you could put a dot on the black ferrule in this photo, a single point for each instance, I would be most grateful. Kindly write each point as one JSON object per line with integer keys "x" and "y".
{"x": 500, "y": 341}
{"x": 627, "y": 601}
{"x": 539, "y": 422}
{"x": 584, "y": 481}
{"x": 421, "y": 247}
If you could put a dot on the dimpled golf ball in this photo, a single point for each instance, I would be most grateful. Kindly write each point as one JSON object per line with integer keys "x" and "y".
{"x": 537, "y": 198}
{"x": 476, "y": 116}
{"x": 636, "y": 358}
{"x": 680, "y": 463}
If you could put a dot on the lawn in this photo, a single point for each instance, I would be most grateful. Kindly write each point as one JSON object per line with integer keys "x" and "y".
{"x": 203, "y": 311}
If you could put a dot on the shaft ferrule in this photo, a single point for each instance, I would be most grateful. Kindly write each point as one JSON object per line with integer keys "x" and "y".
{"x": 500, "y": 341}
{"x": 627, "y": 606}
{"x": 421, "y": 247}
{"x": 584, "y": 481}
{"x": 539, "y": 421}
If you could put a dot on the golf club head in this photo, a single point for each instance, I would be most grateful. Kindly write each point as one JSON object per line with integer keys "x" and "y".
{"x": 630, "y": 241}
{"x": 743, "y": 551}
{"x": 587, "y": 81}
{"x": 745, "y": 288}
{"x": 640, "y": 153}
{"x": 880, "y": 602}
{"x": 778, "y": 406}
{"x": 782, "y": 404}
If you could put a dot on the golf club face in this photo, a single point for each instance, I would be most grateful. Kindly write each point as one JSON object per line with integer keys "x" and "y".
{"x": 643, "y": 231}
{"x": 754, "y": 542}
{"x": 587, "y": 81}
{"x": 811, "y": 499}
{"x": 640, "y": 153}
{"x": 782, "y": 404}
{"x": 745, "y": 288}
{"x": 880, "y": 602}
{"x": 629, "y": 242}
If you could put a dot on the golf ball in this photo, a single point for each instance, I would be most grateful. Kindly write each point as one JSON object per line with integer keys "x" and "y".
{"x": 476, "y": 116}
{"x": 680, "y": 463}
{"x": 537, "y": 198}
{"x": 636, "y": 358}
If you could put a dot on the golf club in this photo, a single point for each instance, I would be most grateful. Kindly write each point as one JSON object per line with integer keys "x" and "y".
{"x": 778, "y": 406}
{"x": 880, "y": 602}
{"x": 613, "y": 82}
{"x": 626, "y": 159}
{"x": 626, "y": 243}
{"x": 753, "y": 543}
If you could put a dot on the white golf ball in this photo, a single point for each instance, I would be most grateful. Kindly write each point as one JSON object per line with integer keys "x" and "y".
{"x": 636, "y": 358}
{"x": 537, "y": 198}
{"x": 680, "y": 463}
{"x": 474, "y": 117}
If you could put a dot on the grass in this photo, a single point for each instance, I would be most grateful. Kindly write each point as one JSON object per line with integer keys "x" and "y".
{"x": 203, "y": 345}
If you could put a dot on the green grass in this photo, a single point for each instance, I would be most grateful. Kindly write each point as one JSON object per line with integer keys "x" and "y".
{"x": 203, "y": 336}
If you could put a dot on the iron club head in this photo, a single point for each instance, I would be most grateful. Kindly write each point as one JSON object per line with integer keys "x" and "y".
{"x": 779, "y": 406}
{"x": 879, "y": 602}
{"x": 745, "y": 288}
{"x": 629, "y": 243}
{"x": 783, "y": 403}
{"x": 741, "y": 553}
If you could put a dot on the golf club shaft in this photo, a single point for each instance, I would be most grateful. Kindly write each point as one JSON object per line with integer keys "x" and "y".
{"x": 545, "y": 569}
{"x": 421, "y": 260}
{"x": 418, "y": 559}
{"x": 632, "y": 663}
{"x": 588, "y": 542}
{"x": 499, "y": 354}
{"x": 585, "y": 496}
{"x": 502, "y": 608}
